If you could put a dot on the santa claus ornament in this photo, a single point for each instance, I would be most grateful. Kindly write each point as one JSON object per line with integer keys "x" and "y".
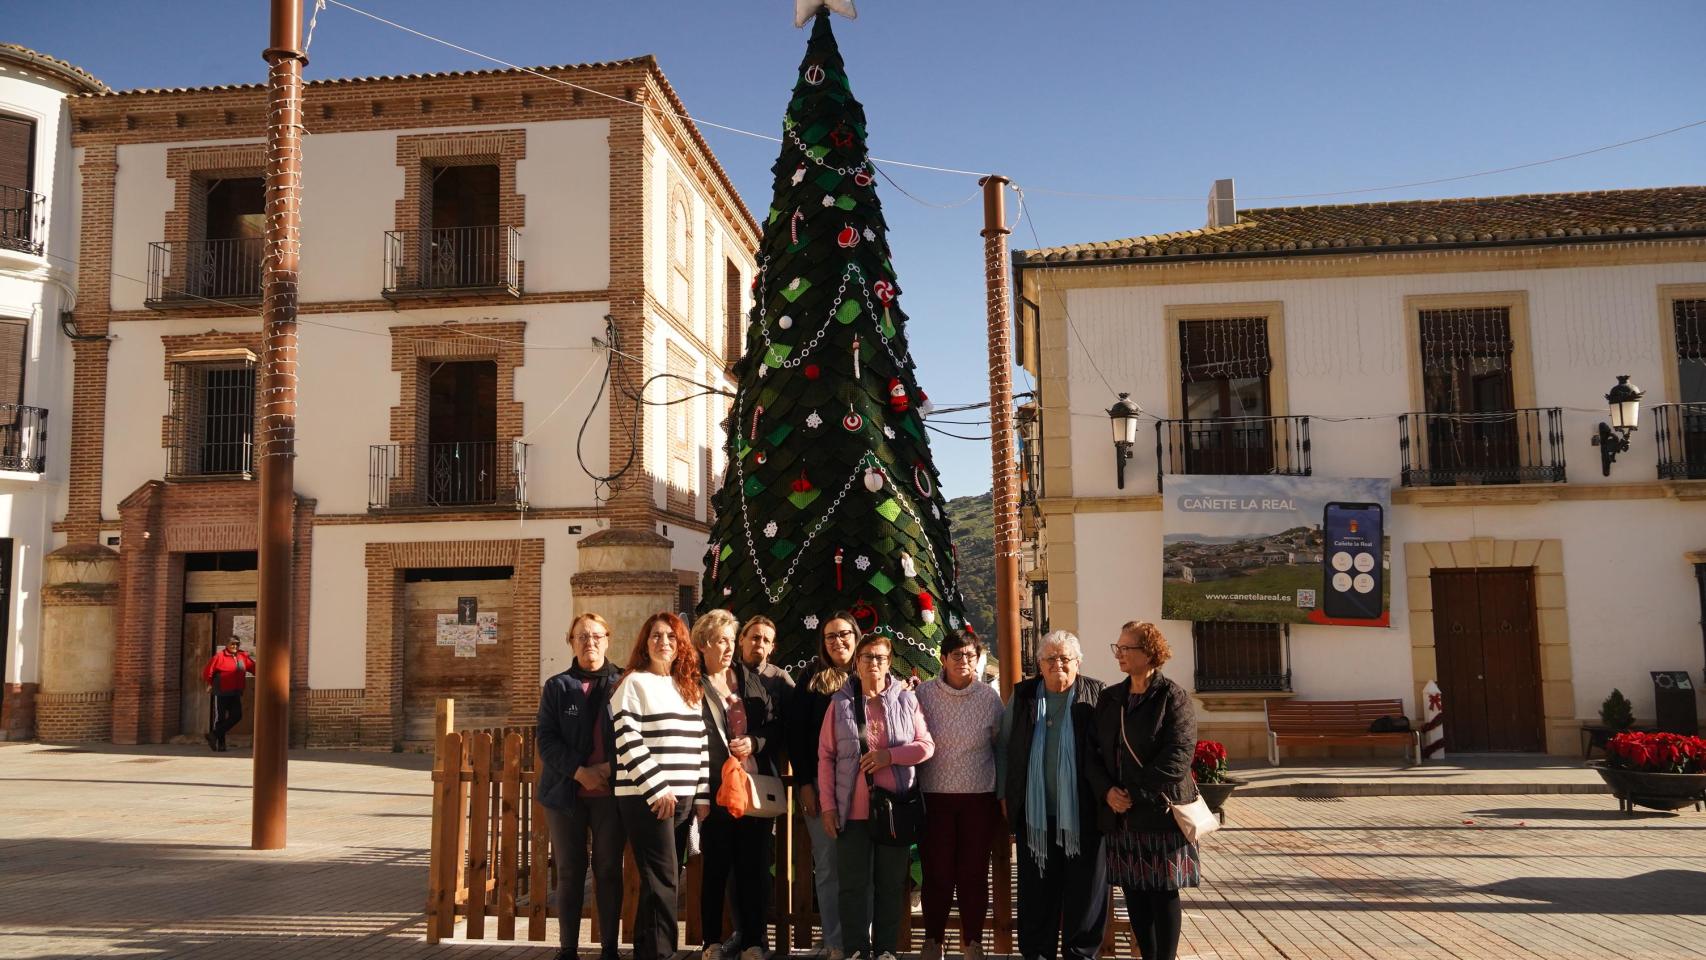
{"x": 926, "y": 609}
{"x": 898, "y": 400}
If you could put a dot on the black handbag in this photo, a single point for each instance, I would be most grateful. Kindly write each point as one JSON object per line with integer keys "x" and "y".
{"x": 895, "y": 821}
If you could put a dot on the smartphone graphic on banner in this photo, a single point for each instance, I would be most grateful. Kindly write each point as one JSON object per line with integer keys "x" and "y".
{"x": 1352, "y": 575}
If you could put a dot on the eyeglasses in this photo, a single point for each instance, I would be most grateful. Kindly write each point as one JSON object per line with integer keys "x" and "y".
{"x": 839, "y": 635}
{"x": 874, "y": 658}
{"x": 967, "y": 655}
{"x": 591, "y": 637}
{"x": 1061, "y": 660}
{"x": 1117, "y": 647}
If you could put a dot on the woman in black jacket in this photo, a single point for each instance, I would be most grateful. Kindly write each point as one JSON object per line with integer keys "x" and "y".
{"x": 1146, "y": 734}
{"x": 577, "y": 745}
{"x": 741, "y": 721}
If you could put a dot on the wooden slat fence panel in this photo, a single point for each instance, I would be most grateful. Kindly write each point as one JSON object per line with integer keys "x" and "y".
{"x": 479, "y": 820}
{"x": 509, "y": 835}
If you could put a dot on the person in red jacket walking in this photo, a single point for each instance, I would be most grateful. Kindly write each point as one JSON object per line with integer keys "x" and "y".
{"x": 226, "y": 673}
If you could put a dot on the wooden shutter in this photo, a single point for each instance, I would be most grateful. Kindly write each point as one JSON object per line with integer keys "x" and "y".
{"x": 17, "y": 150}
{"x": 14, "y": 339}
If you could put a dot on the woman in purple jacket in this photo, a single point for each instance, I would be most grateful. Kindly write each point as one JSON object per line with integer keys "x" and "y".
{"x": 896, "y": 741}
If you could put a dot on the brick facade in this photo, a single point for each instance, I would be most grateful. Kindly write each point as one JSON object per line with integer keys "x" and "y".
{"x": 381, "y": 719}
{"x": 420, "y": 154}
{"x": 18, "y": 710}
{"x": 75, "y": 717}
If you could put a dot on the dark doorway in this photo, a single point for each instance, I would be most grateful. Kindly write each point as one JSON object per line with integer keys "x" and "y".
{"x": 1224, "y": 367}
{"x": 461, "y": 455}
{"x": 227, "y": 262}
{"x": 462, "y": 245}
{"x": 1486, "y": 647}
{"x": 1469, "y": 394}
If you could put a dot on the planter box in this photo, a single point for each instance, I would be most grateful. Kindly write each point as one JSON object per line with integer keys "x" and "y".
{"x": 1216, "y": 794}
{"x": 1656, "y": 791}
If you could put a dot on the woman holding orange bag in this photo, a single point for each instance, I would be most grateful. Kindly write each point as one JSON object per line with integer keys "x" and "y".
{"x": 744, "y": 728}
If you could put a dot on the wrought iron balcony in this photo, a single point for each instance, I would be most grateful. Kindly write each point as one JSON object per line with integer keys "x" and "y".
{"x": 425, "y": 476}
{"x": 23, "y": 438}
{"x": 191, "y": 272}
{"x": 1680, "y": 432}
{"x": 1471, "y": 449}
{"x": 23, "y": 220}
{"x": 450, "y": 260}
{"x": 1232, "y": 445}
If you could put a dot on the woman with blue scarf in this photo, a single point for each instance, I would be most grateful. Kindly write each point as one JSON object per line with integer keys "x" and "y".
{"x": 1046, "y": 737}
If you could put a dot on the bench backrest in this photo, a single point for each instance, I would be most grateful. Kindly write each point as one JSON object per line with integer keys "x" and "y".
{"x": 1329, "y": 716}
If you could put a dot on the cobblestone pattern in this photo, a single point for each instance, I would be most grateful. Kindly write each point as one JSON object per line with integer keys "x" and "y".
{"x": 143, "y": 852}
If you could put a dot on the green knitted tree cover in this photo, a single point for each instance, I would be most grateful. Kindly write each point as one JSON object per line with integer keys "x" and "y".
{"x": 831, "y": 500}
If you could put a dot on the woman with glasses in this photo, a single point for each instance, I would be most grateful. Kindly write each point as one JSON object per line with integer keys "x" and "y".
{"x": 960, "y": 811}
{"x": 576, "y": 746}
{"x": 742, "y": 724}
{"x": 873, "y": 736}
{"x": 662, "y": 769}
{"x": 1046, "y": 741}
{"x": 823, "y": 677}
{"x": 1146, "y": 734}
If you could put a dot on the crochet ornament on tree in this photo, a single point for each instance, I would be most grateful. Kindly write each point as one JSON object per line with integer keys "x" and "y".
{"x": 831, "y": 500}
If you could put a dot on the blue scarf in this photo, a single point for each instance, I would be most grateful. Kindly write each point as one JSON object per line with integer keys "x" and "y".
{"x": 1065, "y": 774}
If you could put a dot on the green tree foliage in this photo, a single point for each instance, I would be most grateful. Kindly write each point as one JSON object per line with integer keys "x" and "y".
{"x": 831, "y": 500}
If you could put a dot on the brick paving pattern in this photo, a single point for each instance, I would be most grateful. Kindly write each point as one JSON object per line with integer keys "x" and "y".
{"x": 143, "y": 852}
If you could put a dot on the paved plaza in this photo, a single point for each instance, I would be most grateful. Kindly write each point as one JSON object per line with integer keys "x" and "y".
{"x": 143, "y": 852}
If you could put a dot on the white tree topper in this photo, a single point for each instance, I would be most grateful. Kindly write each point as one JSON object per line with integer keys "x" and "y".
{"x": 805, "y": 10}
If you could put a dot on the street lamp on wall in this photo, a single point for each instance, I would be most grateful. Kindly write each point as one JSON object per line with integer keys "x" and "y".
{"x": 1624, "y": 402}
{"x": 1123, "y": 415}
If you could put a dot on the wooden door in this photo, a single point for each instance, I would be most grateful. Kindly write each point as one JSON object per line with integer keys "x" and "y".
{"x": 195, "y": 709}
{"x": 436, "y": 665}
{"x": 1487, "y": 652}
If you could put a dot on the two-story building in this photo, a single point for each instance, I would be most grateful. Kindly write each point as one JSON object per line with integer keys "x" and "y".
{"x": 506, "y": 278}
{"x": 38, "y": 273}
{"x": 1459, "y": 350}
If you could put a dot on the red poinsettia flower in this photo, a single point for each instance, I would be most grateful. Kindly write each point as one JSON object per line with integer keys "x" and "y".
{"x": 1657, "y": 753}
{"x": 1208, "y": 764}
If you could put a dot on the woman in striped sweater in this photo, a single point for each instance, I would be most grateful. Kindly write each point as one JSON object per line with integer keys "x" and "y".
{"x": 662, "y": 769}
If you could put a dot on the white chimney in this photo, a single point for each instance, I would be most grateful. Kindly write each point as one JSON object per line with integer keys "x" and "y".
{"x": 1222, "y": 204}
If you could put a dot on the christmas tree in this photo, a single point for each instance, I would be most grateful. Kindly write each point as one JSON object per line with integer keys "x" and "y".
{"x": 831, "y": 500}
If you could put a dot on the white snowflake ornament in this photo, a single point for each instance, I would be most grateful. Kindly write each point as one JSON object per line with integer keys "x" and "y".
{"x": 862, "y": 562}
{"x": 870, "y": 234}
{"x": 810, "y": 621}
{"x": 828, "y": 200}
{"x": 888, "y": 431}
{"x": 770, "y": 529}
{"x": 814, "y": 421}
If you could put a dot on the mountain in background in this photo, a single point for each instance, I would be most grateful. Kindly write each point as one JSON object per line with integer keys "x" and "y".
{"x": 974, "y": 537}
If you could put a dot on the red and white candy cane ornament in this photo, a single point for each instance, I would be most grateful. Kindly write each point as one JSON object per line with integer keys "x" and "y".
{"x": 839, "y": 556}
{"x": 884, "y": 290}
{"x": 794, "y": 226}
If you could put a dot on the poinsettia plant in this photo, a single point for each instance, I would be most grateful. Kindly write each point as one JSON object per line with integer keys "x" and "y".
{"x": 1652, "y": 753}
{"x": 1209, "y": 763}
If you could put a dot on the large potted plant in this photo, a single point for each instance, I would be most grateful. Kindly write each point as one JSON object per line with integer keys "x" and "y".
{"x": 1213, "y": 776}
{"x": 1662, "y": 771}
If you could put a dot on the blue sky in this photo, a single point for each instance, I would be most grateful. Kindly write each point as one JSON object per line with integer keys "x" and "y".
{"x": 1135, "y": 97}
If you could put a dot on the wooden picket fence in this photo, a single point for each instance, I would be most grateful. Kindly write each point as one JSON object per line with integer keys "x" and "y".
{"x": 491, "y": 854}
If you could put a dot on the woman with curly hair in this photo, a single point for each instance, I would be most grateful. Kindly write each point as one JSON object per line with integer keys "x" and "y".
{"x": 662, "y": 769}
{"x": 1145, "y": 736}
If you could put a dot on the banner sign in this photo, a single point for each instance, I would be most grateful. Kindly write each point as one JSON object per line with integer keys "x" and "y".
{"x": 1277, "y": 549}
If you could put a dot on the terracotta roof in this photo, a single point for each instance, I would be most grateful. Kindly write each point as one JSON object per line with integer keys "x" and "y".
{"x": 646, "y": 60}
{"x": 62, "y": 69}
{"x": 1408, "y": 224}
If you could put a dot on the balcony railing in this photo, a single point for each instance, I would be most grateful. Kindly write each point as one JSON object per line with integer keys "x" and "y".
{"x": 419, "y": 476}
{"x": 1469, "y": 449}
{"x": 446, "y": 260}
{"x": 23, "y": 438}
{"x": 1680, "y": 432}
{"x": 187, "y": 272}
{"x": 23, "y": 220}
{"x": 1233, "y": 445}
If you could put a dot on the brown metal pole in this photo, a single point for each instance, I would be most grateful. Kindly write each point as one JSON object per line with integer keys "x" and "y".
{"x": 277, "y": 445}
{"x": 1005, "y": 490}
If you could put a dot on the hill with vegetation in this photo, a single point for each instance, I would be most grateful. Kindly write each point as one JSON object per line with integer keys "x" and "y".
{"x": 974, "y": 536}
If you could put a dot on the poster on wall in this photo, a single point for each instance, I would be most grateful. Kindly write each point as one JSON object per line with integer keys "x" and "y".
{"x": 1277, "y": 550}
{"x": 453, "y": 633}
{"x": 488, "y": 627}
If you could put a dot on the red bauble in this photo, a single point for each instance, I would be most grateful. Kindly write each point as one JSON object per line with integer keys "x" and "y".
{"x": 898, "y": 400}
{"x": 848, "y": 237}
{"x": 812, "y": 371}
{"x": 863, "y": 177}
{"x": 864, "y": 615}
{"x": 802, "y": 485}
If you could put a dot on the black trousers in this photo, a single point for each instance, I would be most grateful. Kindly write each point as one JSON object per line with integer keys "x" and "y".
{"x": 659, "y": 863}
{"x": 1063, "y": 910}
{"x": 569, "y": 839}
{"x": 740, "y": 848}
{"x": 1156, "y": 920}
{"x": 227, "y": 713}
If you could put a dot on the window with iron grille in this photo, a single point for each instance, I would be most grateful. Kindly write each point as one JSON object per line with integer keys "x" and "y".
{"x": 1254, "y": 657}
{"x": 1466, "y": 360}
{"x": 212, "y": 418}
{"x": 686, "y": 599}
{"x": 1690, "y": 319}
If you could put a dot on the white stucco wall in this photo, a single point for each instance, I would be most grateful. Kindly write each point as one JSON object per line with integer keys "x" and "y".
{"x": 1631, "y": 598}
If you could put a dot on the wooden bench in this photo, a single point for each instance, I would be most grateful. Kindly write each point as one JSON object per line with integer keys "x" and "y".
{"x": 1342, "y": 722}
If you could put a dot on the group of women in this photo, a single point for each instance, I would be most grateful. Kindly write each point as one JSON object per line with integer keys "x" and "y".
{"x": 1083, "y": 775}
